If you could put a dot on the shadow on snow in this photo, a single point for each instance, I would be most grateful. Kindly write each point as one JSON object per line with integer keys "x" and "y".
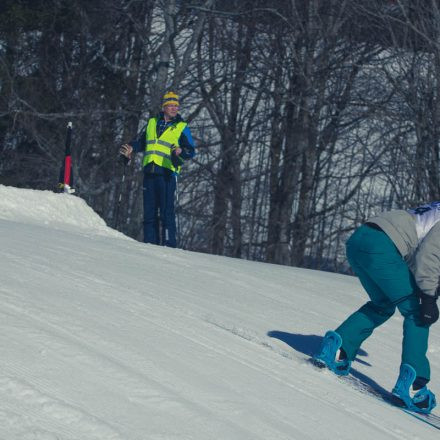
{"x": 310, "y": 345}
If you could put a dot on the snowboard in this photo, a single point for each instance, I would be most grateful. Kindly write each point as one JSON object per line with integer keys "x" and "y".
{"x": 431, "y": 419}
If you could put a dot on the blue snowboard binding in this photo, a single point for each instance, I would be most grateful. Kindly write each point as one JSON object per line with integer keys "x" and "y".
{"x": 423, "y": 401}
{"x": 328, "y": 356}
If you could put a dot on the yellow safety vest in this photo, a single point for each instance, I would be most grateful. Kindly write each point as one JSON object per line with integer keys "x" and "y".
{"x": 158, "y": 150}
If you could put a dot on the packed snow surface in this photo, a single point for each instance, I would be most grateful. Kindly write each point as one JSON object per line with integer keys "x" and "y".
{"x": 102, "y": 337}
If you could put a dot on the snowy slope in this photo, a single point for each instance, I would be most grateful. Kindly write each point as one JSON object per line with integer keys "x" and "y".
{"x": 102, "y": 337}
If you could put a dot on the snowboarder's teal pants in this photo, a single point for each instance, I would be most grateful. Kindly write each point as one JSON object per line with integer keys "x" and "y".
{"x": 385, "y": 276}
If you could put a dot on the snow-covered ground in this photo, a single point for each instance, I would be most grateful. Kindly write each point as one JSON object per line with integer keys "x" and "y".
{"x": 102, "y": 337}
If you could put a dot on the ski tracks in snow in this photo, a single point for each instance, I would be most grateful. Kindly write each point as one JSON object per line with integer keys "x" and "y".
{"x": 25, "y": 409}
{"x": 30, "y": 406}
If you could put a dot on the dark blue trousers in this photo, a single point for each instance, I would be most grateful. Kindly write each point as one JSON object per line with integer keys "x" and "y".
{"x": 159, "y": 214}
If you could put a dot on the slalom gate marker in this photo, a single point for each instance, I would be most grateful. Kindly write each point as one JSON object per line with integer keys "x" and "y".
{"x": 66, "y": 175}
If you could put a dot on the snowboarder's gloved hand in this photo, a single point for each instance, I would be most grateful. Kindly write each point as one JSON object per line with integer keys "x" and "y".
{"x": 428, "y": 309}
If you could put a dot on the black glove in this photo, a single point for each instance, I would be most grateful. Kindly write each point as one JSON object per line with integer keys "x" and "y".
{"x": 124, "y": 159}
{"x": 428, "y": 309}
{"x": 125, "y": 153}
{"x": 176, "y": 160}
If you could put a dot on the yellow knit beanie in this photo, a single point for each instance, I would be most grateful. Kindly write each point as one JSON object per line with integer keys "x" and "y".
{"x": 170, "y": 98}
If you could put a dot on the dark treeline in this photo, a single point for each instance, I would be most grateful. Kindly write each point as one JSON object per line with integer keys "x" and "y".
{"x": 309, "y": 116}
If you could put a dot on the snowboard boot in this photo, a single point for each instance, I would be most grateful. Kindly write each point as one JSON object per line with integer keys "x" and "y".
{"x": 412, "y": 391}
{"x": 332, "y": 355}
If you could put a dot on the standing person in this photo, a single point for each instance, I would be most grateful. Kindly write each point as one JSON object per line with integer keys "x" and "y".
{"x": 166, "y": 143}
{"x": 379, "y": 252}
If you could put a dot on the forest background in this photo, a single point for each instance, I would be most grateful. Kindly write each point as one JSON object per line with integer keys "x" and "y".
{"x": 309, "y": 116}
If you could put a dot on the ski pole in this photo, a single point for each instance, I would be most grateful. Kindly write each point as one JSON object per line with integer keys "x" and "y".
{"x": 121, "y": 189}
{"x": 177, "y": 210}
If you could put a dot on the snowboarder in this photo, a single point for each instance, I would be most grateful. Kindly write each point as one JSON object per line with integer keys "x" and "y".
{"x": 396, "y": 256}
{"x": 166, "y": 143}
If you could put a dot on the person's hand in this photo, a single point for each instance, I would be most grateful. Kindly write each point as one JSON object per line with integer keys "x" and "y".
{"x": 126, "y": 150}
{"x": 428, "y": 309}
{"x": 176, "y": 160}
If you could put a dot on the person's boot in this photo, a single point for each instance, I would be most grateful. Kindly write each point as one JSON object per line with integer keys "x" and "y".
{"x": 332, "y": 355}
{"x": 412, "y": 391}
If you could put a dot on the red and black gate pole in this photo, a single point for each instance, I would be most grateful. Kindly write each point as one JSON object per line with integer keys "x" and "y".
{"x": 66, "y": 175}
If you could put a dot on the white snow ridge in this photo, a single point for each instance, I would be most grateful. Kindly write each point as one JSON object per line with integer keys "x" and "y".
{"x": 102, "y": 337}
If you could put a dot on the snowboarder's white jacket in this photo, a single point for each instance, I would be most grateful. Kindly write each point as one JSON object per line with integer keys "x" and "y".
{"x": 416, "y": 234}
